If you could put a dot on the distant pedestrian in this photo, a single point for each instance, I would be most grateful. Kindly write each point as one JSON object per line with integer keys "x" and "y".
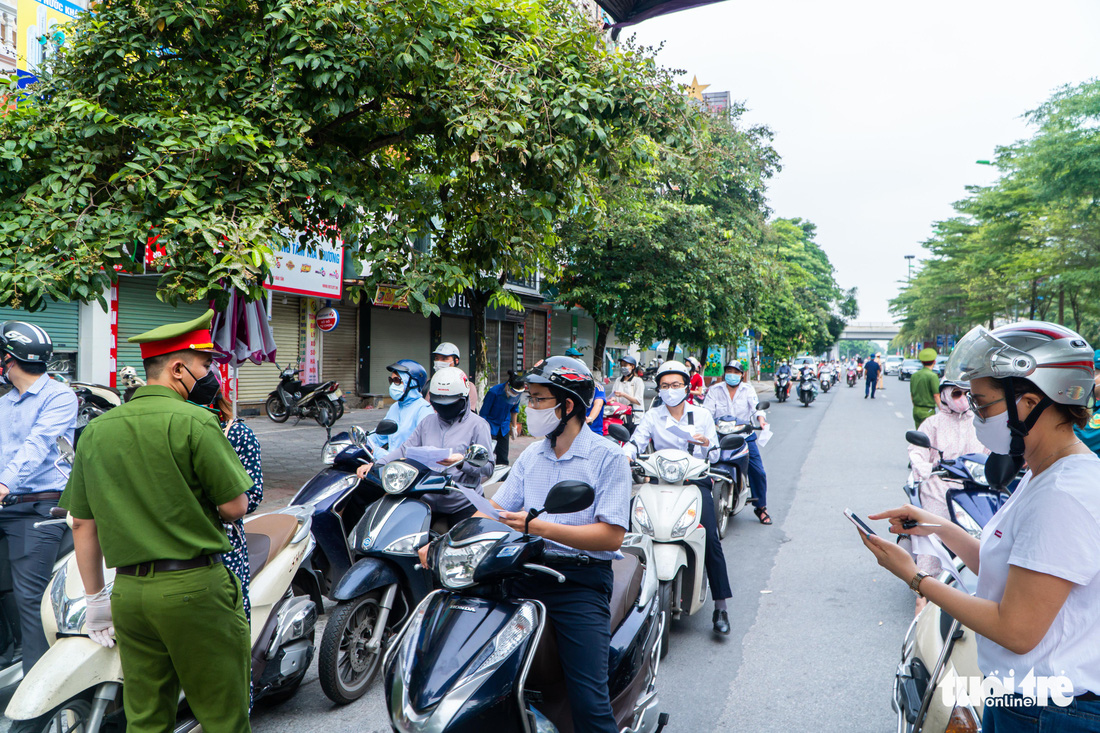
{"x": 881, "y": 372}
{"x": 924, "y": 388}
{"x": 501, "y": 410}
{"x": 871, "y": 371}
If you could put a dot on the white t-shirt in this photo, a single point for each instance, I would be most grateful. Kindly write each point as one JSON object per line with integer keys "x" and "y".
{"x": 635, "y": 387}
{"x": 1051, "y": 525}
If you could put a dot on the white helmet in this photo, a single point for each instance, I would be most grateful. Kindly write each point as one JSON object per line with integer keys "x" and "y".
{"x": 447, "y": 349}
{"x": 673, "y": 367}
{"x": 449, "y": 382}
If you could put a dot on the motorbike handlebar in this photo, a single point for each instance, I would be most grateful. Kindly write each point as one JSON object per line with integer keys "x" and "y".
{"x": 58, "y": 512}
{"x": 543, "y": 569}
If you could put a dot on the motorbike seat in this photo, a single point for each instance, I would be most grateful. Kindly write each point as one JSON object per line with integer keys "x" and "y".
{"x": 266, "y": 536}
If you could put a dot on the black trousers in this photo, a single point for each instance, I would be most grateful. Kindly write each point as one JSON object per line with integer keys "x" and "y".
{"x": 32, "y": 554}
{"x": 580, "y": 611}
{"x": 502, "y": 448}
{"x": 717, "y": 574}
{"x": 872, "y": 385}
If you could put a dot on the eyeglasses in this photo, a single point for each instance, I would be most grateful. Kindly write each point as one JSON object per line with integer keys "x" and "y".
{"x": 539, "y": 400}
{"x": 677, "y": 385}
{"x": 978, "y": 408}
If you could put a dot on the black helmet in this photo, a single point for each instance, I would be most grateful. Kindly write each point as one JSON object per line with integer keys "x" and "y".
{"x": 25, "y": 342}
{"x": 565, "y": 374}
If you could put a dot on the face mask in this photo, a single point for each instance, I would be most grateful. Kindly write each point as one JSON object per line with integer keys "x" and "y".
{"x": 451, "y": 411}
{"x": 626, "y": 372}
{"x": 732, "y": 379}
{"x": 437, "y": 365}
{"x": 959, "y": 405}
{"x": 204, "y": 391}
{"x": 994, "y": 433}
{"x": 397, "y": 391}
{"x": 541, "y": 423}
{"x": 673, "y": 397}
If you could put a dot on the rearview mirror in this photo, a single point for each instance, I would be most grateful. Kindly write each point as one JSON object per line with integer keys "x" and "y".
{"x": 358, "y": 436}
{"x": 999, "y": 469}
{"x": 476, "y": 455}
{"x": 386, "y": 427}
{"x": 618, "y": 432}
{"x": 731, "y": 442}
{"x": 917, "y": 438}
{"x": 566, "y": 497}
{"x": 763, "y": 405}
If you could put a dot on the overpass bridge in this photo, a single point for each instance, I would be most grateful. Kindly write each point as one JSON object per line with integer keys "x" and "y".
{"x": 869, "y": 331}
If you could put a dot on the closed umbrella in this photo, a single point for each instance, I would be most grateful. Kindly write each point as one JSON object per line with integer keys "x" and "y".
{"x": 243, "y": 333}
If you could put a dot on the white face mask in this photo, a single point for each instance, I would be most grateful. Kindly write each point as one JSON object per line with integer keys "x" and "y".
{"x": 437, "y": 365}
{"x": 541, "y": 423}
{"x": 994, "y": 433}
{"x": 397, "y": 391}
{"x": 673, "y": 397}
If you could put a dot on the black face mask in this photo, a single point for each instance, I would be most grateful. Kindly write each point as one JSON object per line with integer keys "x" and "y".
{"x": 204, "y": 391}
{"x": 451, "y": 411}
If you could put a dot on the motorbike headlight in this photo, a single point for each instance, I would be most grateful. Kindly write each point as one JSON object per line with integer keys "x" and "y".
{"x": 332, "y": 449}
{"x": 398, "y": 476}
{"x": 68, "y": 612}
{"x": 608, "y": 410}
{"x": 725, "y": 427}
{"x": 457, "y": 564}
{"x": 514, "y": 633}
{"x": 641, "y": 518}
{"x": 344, "y": 483}
{"x": 967, "y": 522}
{"x": 408, "y": 545}
{"x": 686, "y": 520}
{"x": 672, "y": 470}
{"x": 977, "y": 472}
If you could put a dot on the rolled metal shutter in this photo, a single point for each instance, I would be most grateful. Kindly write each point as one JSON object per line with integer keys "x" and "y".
{"x": 396, "y": 334}
{"x": 139, "y": 311}
{"x": 339, "y": 349}
{"x": 561, "y": 333}
{"x": 62, "y": 322}
{"x": 457, "y": 331}
{"x": 256, "y": 381}
{"x": 534, "y": 338}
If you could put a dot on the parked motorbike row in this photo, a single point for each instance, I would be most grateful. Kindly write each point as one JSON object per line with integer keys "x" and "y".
{"x": 937, "y": 650}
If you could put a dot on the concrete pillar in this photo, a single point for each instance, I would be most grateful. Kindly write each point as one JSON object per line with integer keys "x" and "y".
{"x": 93, "y": 361}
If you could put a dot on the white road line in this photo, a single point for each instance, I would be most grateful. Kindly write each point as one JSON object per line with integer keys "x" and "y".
{"x": 899, "y": 415}
{"x": 889, "y": 403}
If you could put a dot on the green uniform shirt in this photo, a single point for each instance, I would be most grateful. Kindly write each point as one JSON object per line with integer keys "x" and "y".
{"x": 151, "y": 473}
{"x": 923, "y": 388}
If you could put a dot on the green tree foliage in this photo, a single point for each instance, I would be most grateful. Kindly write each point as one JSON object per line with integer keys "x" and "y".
{"x": 853, "y": 348}
{"x": 1027, "y": 246}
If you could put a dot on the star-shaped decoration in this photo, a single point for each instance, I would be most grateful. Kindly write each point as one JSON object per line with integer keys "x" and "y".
{"x": 695, "y": 91}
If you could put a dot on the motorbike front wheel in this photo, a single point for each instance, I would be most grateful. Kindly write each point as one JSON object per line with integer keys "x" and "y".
{"x": 276, "y": 410}
{"x": 345, "y": 665}
{"x": 722, "y": 490}
{"x": 664, "y": 607}
{"x": 326, "y": 414}
{"x": 71, "y": 715}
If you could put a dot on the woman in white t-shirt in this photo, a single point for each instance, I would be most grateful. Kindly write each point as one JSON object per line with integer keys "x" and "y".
{"x": 1037, "y": 607}
{"x": 629, "y": 388}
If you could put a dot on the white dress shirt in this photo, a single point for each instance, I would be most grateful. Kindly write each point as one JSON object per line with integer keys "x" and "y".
{"x": 741, "y": 405}
{"x": 655, "y": 426}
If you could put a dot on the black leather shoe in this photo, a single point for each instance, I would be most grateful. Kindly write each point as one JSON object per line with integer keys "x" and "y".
{"x": 721, "y": 622}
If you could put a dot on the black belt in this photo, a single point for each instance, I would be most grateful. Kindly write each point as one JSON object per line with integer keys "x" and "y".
{"x": 582, "y": 561}
{"x": 1088, "y": 697}
{"x": 165, "y": 566}
{"x": 11, "y": 499}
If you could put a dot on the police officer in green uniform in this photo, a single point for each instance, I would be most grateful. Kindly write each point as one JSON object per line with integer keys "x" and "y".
{"x": 151, "y": 484}
{"x": 924, "y": 388}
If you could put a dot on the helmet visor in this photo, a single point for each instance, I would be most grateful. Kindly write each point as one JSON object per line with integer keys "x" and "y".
{"x": 981, "y": 354}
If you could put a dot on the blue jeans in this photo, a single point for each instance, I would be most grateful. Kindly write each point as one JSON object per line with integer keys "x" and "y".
{"x": 758, "y": 480}
{"x": 872, "y": 385}
{"x": 1079, "y": 717}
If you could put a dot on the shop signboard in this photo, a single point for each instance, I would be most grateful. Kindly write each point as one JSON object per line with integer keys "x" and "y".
{"x": 327, "y": 319}
{"x": 313, "y": 267}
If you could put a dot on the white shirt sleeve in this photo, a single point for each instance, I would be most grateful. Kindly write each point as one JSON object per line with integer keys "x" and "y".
{"x": 1060, "y": 537}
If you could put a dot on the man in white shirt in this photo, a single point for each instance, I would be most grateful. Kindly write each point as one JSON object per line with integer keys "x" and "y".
{"x": 673, "y": 379}
{"x": 629, "y": 388}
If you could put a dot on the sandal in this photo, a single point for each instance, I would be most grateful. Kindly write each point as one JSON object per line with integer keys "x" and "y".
{"x": 763, "y": 516}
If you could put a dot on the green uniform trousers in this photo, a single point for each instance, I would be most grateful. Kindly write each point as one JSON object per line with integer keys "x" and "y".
{"x": 183, "y": 628}
{"x": 920, "y": 414}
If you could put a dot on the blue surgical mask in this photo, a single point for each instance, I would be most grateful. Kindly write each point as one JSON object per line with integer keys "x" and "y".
{"x": 732, "y": 379}
{"x": 397, "y": 391}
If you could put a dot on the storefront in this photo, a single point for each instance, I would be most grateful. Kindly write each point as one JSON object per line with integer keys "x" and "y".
{"x": 536, "y": 335}
{"x": 340, "y": 347}
{"x": 139, "y": 310}
{"x": 394, "y": 333}
{"x": 504, "y": 342}
{"x": 256, "y": 381}
{"x": 62, "y": 322}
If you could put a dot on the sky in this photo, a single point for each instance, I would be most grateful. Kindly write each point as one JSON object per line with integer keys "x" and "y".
{"x": 880, "y": 109}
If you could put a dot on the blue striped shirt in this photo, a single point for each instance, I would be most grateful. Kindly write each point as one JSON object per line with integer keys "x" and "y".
{"x": 591, "y": 458}
{"x": 30, "y": 424}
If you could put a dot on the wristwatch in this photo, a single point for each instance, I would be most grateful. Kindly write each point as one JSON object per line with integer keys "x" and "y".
{"x": 914, "y": 584}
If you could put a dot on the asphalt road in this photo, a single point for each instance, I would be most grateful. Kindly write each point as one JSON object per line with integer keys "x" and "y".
{"x": 817, "y": 625}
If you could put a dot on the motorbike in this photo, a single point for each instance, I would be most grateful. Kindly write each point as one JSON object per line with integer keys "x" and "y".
{"x": 475, "y": 657}
{"x": 937, "y": 649}
{"x": 93, "y": 400}
{"x": 730, "y": 471}
{"x": 130, "y": 381}
{"x": 323, "y": 402}
{"x": 782, "y": 386}
{"x": 826, "y": 379}
{"x": 377, "y": 594}
{"x": 807, "y": 387}
{"x": 853, "y": 377}
{"x": 337, "y": 499}
{"x": 666, "y": 508}
{"x": 618, "y": 413}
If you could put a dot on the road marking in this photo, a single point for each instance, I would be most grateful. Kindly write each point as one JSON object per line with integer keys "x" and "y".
{"x": 889, "y": 403}
{"x": 899, "y": 415}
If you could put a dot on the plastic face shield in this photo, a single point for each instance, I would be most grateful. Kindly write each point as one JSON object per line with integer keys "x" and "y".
{"x": 981, "y": 354}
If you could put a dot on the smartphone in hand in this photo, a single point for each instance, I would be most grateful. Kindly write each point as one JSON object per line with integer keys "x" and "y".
{"x": 860, "y": 524}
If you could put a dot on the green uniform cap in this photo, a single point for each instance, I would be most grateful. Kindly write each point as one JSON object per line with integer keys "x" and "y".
{"x": 193, "y": 335}
{"x": 928, "y": 354}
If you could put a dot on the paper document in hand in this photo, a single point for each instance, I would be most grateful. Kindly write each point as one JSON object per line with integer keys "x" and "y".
{"x": 480, "y": 503}
{"x": 931, "y": 545}
{"x": 764, "y": 436}
{"x": 682, "y": 433}
{"x": 427, "y": 456}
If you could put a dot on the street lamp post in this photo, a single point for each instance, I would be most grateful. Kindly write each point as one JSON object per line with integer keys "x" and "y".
{"x": 909, "y": 261}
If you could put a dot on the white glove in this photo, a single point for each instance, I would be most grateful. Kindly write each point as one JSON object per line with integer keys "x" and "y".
{"x": 97, "y": 620}
{"x": 515, "y": 429}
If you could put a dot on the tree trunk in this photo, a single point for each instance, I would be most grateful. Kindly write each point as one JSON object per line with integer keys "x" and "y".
{"x": 1062, "y": 306}
{"x": 671, "y": 351}
{"x": 479, "y": 360}
{"x": 1034, "y": 300}
{"x": 602, "y": 329}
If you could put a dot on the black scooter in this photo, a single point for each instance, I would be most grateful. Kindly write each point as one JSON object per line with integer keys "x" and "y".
{"x": 807, "y": 387}
{"x": 378, "y": 593}
{"x": 473, "y": 656}
{"x": 782, "y": 387}
{"x": 323, "y": 402}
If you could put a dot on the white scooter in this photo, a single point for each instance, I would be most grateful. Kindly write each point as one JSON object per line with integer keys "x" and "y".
{"x": 77, "y": 684}
{"x": 666, "y": 507}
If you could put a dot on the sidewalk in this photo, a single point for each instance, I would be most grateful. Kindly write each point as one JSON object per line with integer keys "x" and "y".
{"x": 291, "y": 453}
